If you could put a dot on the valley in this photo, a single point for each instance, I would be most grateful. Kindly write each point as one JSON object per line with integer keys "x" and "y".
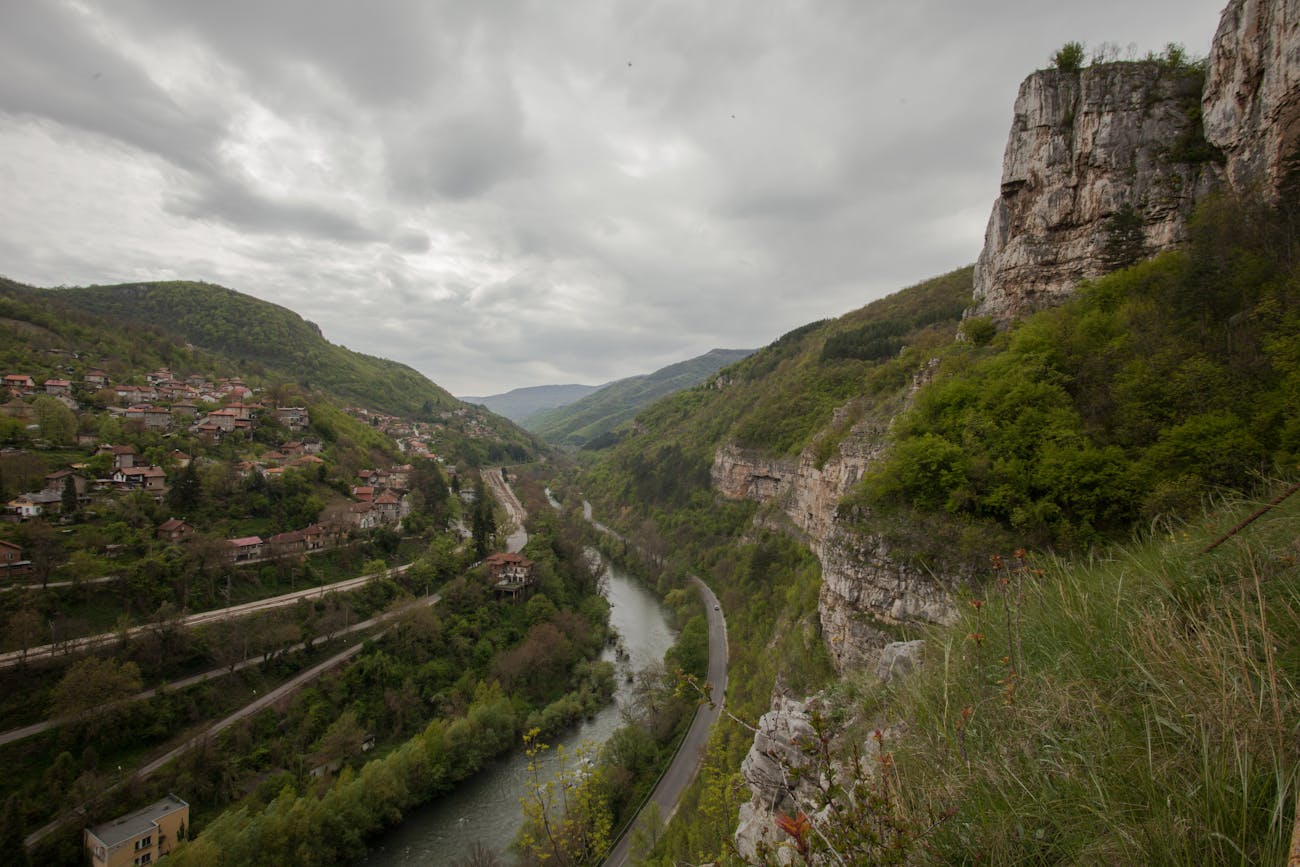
{"x": 1002, "y": 567}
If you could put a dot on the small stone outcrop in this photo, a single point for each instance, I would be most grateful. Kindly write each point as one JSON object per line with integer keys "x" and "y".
{"x": 766, "y": 770}
{"x": 1102, "y": 164}
{"x": 1252, "y": 92}
{"x": 898, "y": 659}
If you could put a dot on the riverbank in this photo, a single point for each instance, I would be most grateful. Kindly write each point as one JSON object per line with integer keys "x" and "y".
{"x": 486, "y": 809}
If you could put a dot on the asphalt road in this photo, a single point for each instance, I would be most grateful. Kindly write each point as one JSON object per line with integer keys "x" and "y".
{"x": 686, "y": 764}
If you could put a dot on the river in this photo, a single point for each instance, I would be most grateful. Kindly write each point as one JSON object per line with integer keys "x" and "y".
{"x": 486, "y": 808}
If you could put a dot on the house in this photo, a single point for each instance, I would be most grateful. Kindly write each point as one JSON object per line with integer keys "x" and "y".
{"x": 245, "y": 549}
{"x": 152, "y": 479}
{"x": 184, "y": 410}
{"x": 223, "y": 418}
{"x": 293, "y": 417}
{"x": 162, "y": 374}
{"x": 512, "y": 573}
{"x": 34, "y": 505}
{"x": 96, "y": 378}
{"x": 174, "y": 530}
{"x": 123, "y": 456}
{"x": 20, "y": 382}
{"x": 364, "y": 516}
{"x": 400, "y": 477}
{"x": 389, "y": 506}
{"x": 157, "y": 418}
{"x": 318, "y": 537}
{"x": 11, "y": 560}
{"x": 180, "y": 458}
{"x": 56, "y": 387}
{"x": 55, "y": 482}
{"x": 209, "y": 431}
{"x": 364, "y": 493}
{"x": 288, "y": 544}
{"x": 139, "y": 837}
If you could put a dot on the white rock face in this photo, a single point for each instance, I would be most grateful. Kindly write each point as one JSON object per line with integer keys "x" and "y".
{"x": 1252, "y": 93}
{"x": 766, "y": 769}
{"x": 899, "y": 658}
{"x": 1084, "y": 145}
{"x": 862, "y": 585}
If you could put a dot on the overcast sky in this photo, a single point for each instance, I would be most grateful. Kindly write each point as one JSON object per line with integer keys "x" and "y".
{"x": 504, "y": 194}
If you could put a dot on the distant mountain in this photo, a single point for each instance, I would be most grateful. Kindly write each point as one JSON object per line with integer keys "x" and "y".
{"x": 518, "y": 404}
{"x": 266, "y": 335}
{"x": 585, "y": 421}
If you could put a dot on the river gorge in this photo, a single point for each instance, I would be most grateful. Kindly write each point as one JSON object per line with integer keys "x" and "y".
{"x": 486, "y": 808}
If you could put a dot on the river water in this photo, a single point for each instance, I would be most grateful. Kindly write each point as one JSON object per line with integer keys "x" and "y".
{"x": 486, "y": 808}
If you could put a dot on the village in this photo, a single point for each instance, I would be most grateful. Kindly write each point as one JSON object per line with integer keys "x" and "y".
{"x": 100, "y": 441}
{"x": 159, "y": 485}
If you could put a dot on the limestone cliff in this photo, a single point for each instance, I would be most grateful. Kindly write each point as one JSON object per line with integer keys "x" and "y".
{"x": 1088, "y": 150}
{"x": 1252, "y": 91}
{"x": 864, "y": 587}
{"x": 1106, "y": 163}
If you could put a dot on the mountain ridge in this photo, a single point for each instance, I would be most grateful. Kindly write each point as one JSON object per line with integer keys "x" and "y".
{"x": 520, "y": 403}
{"x": 593, "y": 418}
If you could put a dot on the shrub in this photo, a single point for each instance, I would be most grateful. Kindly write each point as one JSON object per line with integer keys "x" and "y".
{"x": 1069, "y": 57}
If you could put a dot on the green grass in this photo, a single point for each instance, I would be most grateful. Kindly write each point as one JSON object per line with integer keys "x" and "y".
{"x": 1153, "y": 719}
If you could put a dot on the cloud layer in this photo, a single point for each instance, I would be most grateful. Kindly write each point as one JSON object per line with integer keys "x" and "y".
{"x": 516, "y": 193}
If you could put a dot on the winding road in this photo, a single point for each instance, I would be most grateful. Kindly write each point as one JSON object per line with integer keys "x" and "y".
{"x": 690, "y": 753}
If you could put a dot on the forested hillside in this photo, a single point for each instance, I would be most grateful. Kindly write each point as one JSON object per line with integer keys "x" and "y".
{"x": 266, "y": 336}
{"x": 1157, "y": 388}
{"x": 590, "y": 421}
{"x": 786, "y": 395}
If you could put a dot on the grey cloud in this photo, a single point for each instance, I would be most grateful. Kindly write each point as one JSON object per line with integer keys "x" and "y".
{"x": 461, "y": 156}
{"x": 232, "y": 202}
{"x": 52, "y": 66}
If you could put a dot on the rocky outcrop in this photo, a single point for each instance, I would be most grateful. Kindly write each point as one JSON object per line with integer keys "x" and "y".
{"x": 1106, "y": 163}
{"x": 1252, "y": 92}
{"x": 1102, "y": 164}
{"x": 863, "y": 586}
{"x": 898, "y": 659}
{"x": 807, "y": 492}
{"x": 767, "y": 768}
{"x": 783, "y": 778}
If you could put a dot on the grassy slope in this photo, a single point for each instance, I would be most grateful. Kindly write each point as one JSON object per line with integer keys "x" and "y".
{"x": 265, "y": 334}
{"x": 1153, "y": 719}
{"x": 589, "y": 418}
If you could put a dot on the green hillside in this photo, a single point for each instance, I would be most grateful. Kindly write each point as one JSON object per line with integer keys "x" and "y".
{"x": 784, "y": 396}
{"x": 588, "y": 421}
{"x": 264, "y": 336}
{"x": 1154, "y": 390}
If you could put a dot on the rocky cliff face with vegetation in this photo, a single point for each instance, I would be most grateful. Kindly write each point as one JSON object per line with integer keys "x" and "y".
{"x": 864, "y": 586}
{"x": 1252, "y": 92}
{"x": 1102, "y": 165}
